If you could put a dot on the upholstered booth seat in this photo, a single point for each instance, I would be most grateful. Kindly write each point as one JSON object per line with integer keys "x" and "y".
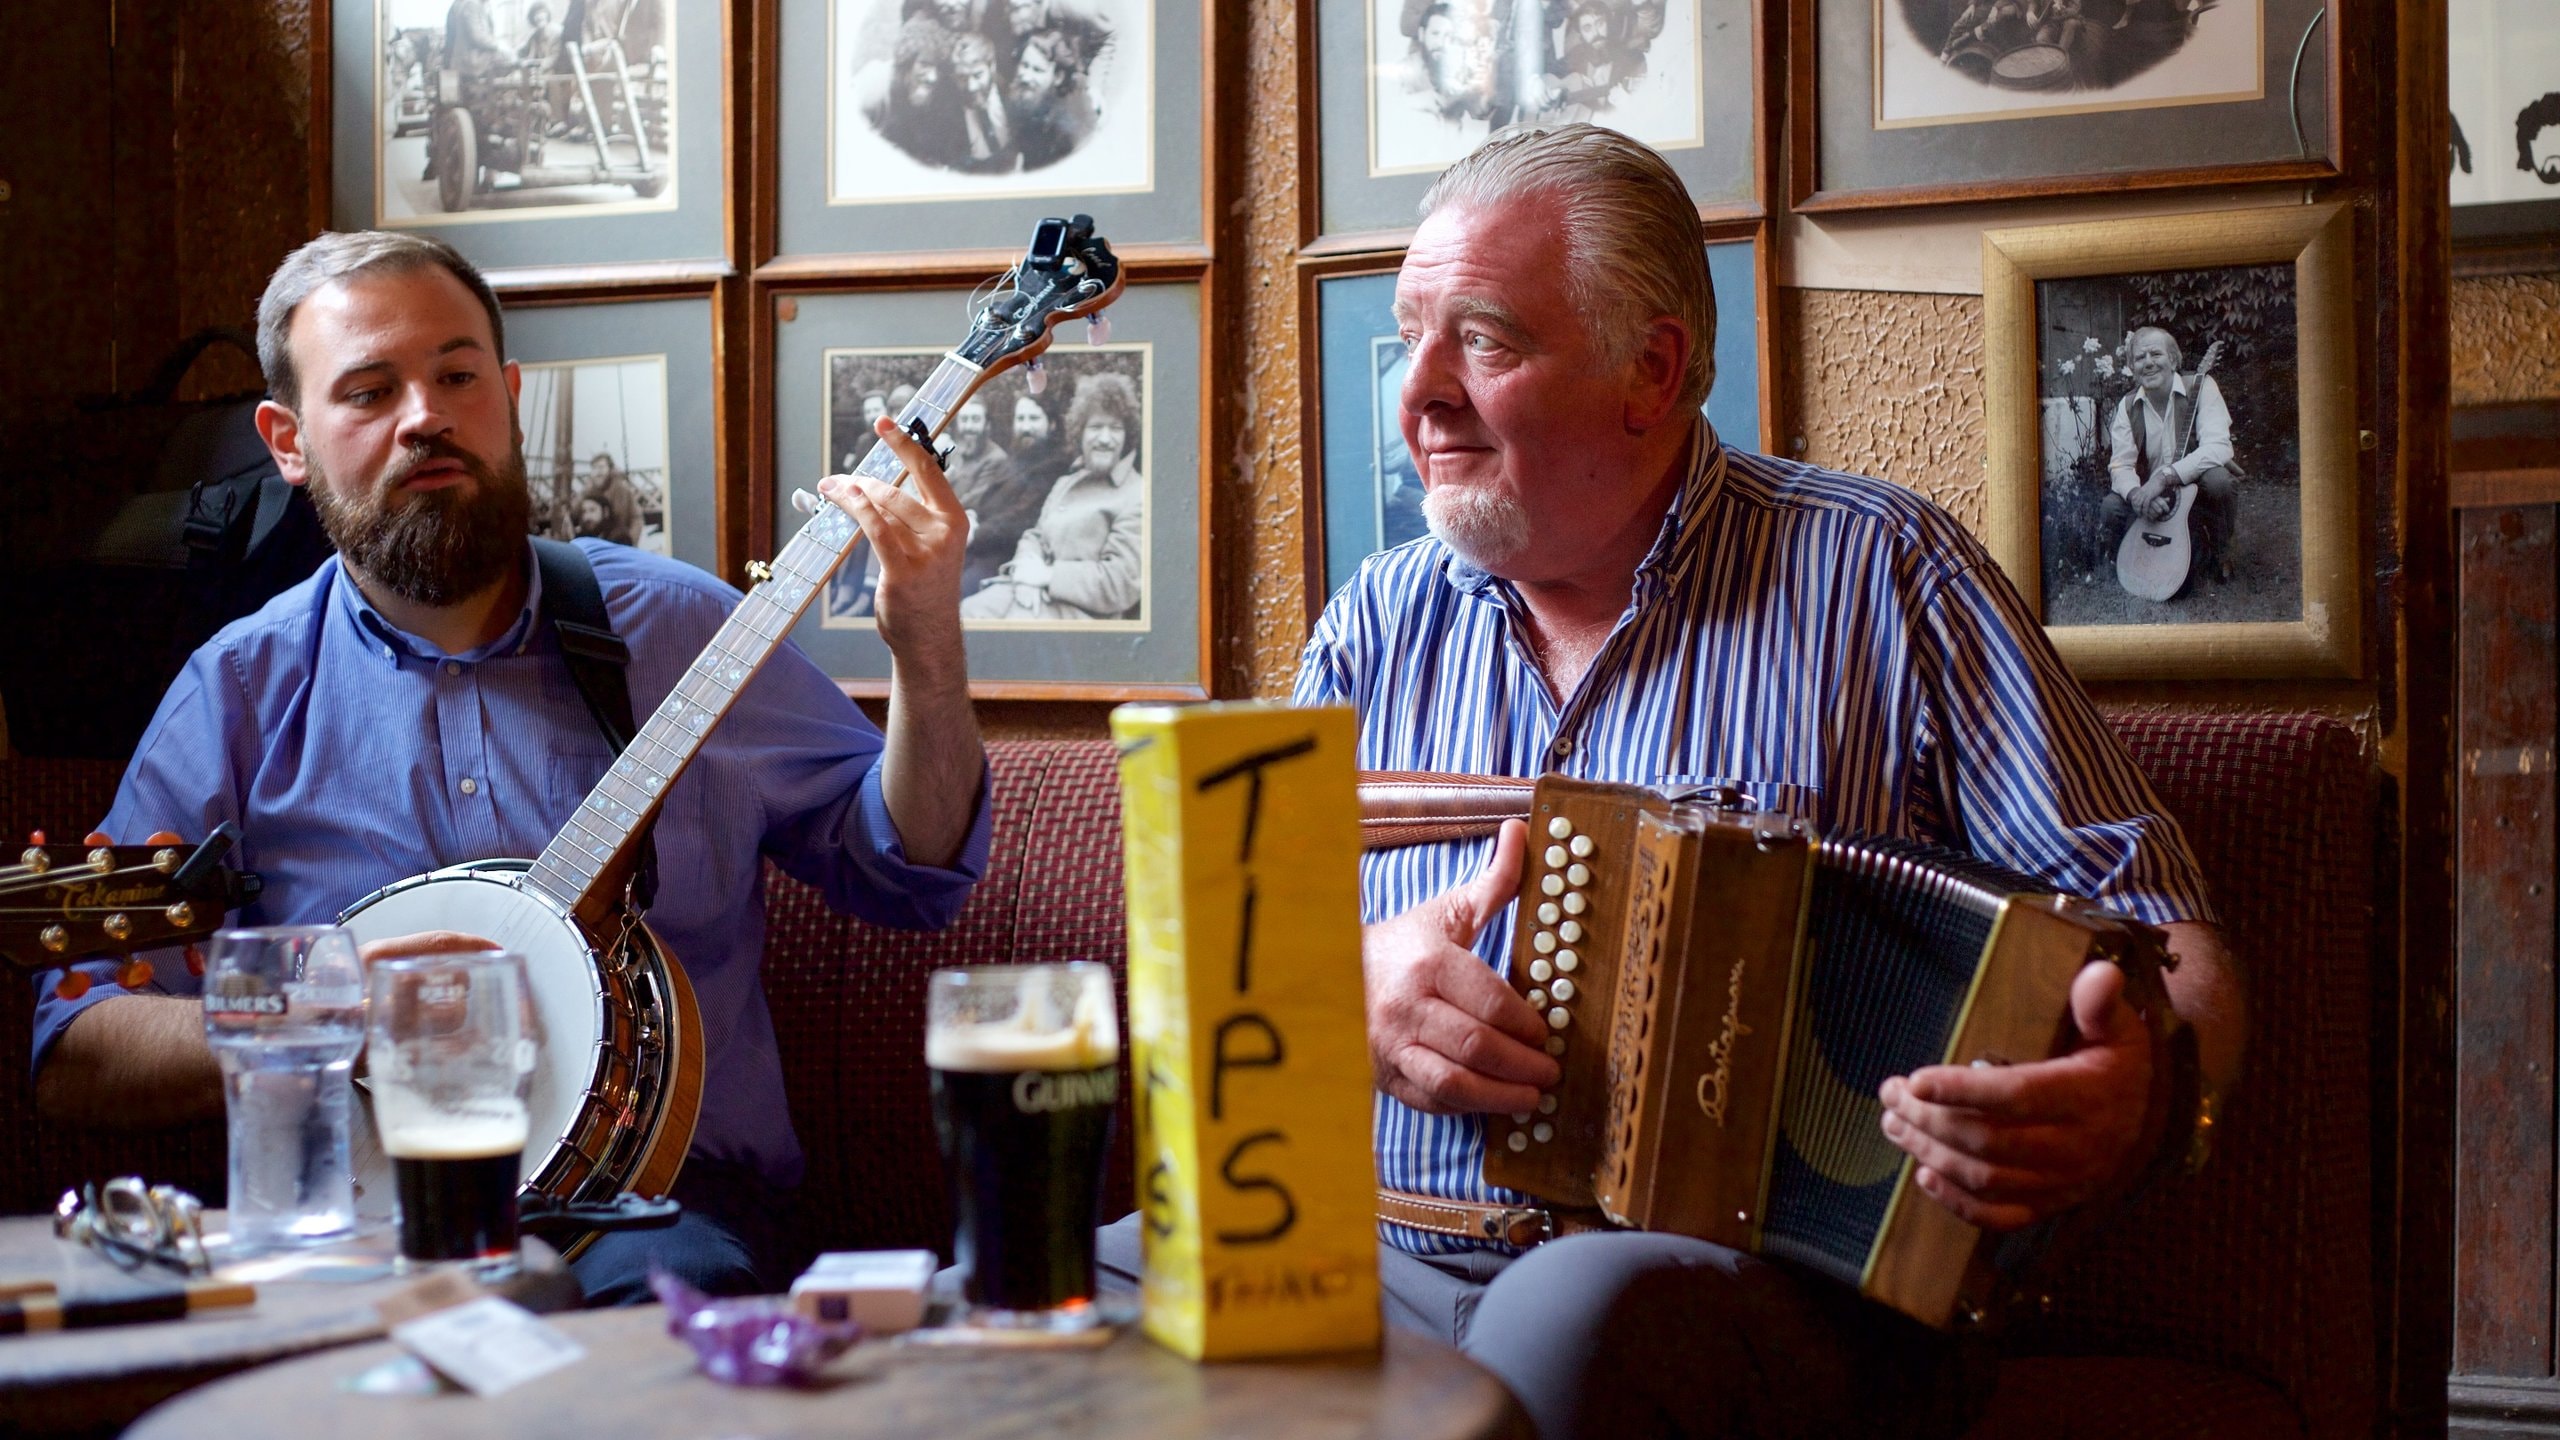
{"x": 2236, "y": 1305}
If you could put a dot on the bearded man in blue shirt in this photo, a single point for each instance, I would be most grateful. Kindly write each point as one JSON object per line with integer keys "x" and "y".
{"x": 408, "y": 708}
{"x": 1609, "y": 592}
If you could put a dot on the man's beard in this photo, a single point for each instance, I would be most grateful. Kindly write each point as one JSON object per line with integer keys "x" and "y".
{"x": 1487, "y": 528}
{"x": 436, "y": 547}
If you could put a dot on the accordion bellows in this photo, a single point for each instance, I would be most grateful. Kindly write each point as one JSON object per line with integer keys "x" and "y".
{"x": 1726, "y": 992}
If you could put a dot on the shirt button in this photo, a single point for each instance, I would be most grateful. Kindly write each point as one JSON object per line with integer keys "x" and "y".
{"x": 1563, "y": 746}
{"x": 453, "y": 667}
{"x": 470, "y": 786}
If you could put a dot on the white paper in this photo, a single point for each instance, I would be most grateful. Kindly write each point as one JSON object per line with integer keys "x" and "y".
{"x": 488, "y": 1345}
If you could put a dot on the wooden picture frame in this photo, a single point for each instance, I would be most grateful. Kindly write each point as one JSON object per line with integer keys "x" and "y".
{"x": 654, "y": 210}
{"x": 618, "y": 349}
{"x": 809, "y": 224}
{"x": 1351, "y": 205}
{"x": 2041, "y": 492}
{"x": 1342, "y": 319}
{"x": 814, "y": 334}
{"x": 1845, "y": 152}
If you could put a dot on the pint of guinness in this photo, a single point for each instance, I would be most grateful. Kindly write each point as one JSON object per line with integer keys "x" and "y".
{"x": 1026, "y": 1075}
{"x": 451, "y": 1061}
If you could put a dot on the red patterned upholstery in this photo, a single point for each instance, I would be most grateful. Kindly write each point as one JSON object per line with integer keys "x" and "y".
{"x": 2248, "y": 1296}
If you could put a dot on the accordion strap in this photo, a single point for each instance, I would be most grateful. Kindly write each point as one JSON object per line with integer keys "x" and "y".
{"x": 1417, "y": 807}
{"x": 1521, "y": 1225}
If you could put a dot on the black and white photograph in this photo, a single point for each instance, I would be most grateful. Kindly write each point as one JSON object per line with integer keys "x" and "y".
{"x": 1448, "y": 73}
{"x": 1054, "y": 480}
{"x": 595, "y": 450}
{"x": 495, "y": 110}
{"x": 2505, "y": 64}
{"x": 973, "y": 99}
{"x": 1946, "y": 61}
{"x": 2172, "y": 453}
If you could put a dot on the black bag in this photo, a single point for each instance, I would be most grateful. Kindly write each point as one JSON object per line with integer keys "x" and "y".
{"x": 144, "y": 527}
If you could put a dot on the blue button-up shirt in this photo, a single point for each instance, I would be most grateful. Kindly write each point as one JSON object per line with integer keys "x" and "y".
{"x": 1829, "y": 645}
{"x": 354, "y": 755}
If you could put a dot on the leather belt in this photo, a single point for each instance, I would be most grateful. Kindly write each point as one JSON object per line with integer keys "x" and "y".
{"x": 1521, "y": 1225}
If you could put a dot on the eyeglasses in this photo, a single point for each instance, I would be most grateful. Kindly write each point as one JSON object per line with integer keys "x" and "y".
{"x": 132, "y": 1224}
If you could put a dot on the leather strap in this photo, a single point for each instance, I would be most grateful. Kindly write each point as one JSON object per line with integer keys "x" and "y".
{"x": 1521, "y": 1225}
{"x": 1409, "y": 807}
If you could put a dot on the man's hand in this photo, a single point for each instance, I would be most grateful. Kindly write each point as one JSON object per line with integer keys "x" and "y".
{"x": 2006, "y": 1146}
{"x": 1446, "y": 1034}
{"x": 921, "y": 538}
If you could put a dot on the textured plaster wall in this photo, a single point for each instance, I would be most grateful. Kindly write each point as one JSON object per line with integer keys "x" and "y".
{"x": 1889, "y": 385}
{"x": 2506, "y": 339}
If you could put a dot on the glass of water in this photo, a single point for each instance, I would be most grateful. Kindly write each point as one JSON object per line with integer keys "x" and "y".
{"x": 284, "y": 1013}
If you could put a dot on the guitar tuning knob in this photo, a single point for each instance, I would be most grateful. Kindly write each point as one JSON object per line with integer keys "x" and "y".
{"x": 1097, "y": 330}
{"x": 134, "y": 974}
{"x": 54, "y": 938}
{"x": 1035, "y": 377}
{"x": 195, "y": 961}
{"x": 804, "y": 501}
{"x": 71, "y": 986}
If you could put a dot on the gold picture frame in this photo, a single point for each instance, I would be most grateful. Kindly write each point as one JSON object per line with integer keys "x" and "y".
{"x": 2041, "y": 472}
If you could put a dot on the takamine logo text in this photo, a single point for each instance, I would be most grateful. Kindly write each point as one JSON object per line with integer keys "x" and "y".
{"x": 1716, "y": 1081}
{"x": 1037, "y": 1092}
{"x": 216, "y": 1004}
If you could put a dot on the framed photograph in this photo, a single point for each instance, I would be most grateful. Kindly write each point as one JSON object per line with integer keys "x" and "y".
{"x": 2174, "y": 476}
{"x": 2504, "y": 59}
{"x": 956, "y": 124}
{"x": 1084, "y": 574}
{"x": 1404, "y": 87}
{"x": 616, "y": 413}
{"x": 531, "y": 132}
{"x": 1363, "y": 493}
{"x": 1910, "y": 102}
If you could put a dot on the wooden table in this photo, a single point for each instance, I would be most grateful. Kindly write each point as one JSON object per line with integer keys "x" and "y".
{"x": 77, "y": 1381}
{"x": 638, "y": 1383}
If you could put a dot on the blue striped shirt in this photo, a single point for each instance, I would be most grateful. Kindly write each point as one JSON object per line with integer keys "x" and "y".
{"x": 1828, "y": 645}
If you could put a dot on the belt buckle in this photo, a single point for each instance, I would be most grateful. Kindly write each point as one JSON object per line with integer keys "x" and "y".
{"x": 1521, "y": 1227}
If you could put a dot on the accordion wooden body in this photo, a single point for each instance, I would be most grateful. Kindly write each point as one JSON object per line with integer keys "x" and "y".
{"x": 1727, "y": 991}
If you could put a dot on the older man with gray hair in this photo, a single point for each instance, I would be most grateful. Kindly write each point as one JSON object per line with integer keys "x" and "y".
{"x": 2173, "y": 431}
{"x": 1609, "y": 592}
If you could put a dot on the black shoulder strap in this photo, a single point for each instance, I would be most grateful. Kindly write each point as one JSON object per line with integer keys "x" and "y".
{"x": 596, "y": 659}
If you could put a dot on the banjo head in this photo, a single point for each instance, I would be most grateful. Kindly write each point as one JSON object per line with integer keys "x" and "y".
{"x": 570, "y": 1002}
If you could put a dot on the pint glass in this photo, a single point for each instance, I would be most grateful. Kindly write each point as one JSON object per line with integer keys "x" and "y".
{"x": 284, "y": 1013}
{"x": 451, "y": 1054}
{"x": 1026, "y": 1074}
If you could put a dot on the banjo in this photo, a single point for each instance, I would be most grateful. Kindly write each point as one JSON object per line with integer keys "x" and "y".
{"x": 618, "y": 1081}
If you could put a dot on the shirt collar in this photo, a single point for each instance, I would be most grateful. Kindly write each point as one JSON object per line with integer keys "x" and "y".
{"x": 1682, "y": 524}
{"x": 389, "y": 641}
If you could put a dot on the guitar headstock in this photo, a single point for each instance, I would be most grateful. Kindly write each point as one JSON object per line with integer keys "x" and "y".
{"x": 1067, "y": 272}
{"x": 61, "y": 903}
{"x": 2212, "y": 356}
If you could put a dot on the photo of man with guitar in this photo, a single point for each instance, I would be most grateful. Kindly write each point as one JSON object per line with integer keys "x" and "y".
{"x": 2169, "y": 475}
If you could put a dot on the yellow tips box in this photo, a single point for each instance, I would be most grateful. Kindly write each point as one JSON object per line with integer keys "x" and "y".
{"x": 1247, "y": 1030}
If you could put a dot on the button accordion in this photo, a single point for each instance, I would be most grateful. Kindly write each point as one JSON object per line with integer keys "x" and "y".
{"x": 1726, "y": 991}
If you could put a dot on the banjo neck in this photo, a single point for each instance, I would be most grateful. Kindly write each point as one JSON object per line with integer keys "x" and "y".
{"x": 585, "y": 865}
{"x": 1067, "y": 272}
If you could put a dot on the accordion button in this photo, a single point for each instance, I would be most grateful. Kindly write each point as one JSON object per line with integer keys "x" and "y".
{"x": 1574, "y": 904}
{"x": 1566, "y": 960}
{"x": 1555, "y": 857}
{"x": 1544, "y": 942}
{"x": 1569, "y": 931}
{"x": 1578, "y": 875}
{"x": 1582, "y": 846}
{"x": 1546, "y": 1104}
{"x": 1537, "y": 998}
{"x": 1540, "y": 970}
{"x": 1555, "y": 1045}
{"x": 1559, "y": 827}
{"x": 1520, "y": 1119}
{"x": 1553, "y": 885}
{"x": 1558, "y": 1018}
{"x": 1548, "y": 914}
{"x": 1544, "y": 1133}
{"x": 1563, "y": 988}
{"x": 1519, "y": 1140}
